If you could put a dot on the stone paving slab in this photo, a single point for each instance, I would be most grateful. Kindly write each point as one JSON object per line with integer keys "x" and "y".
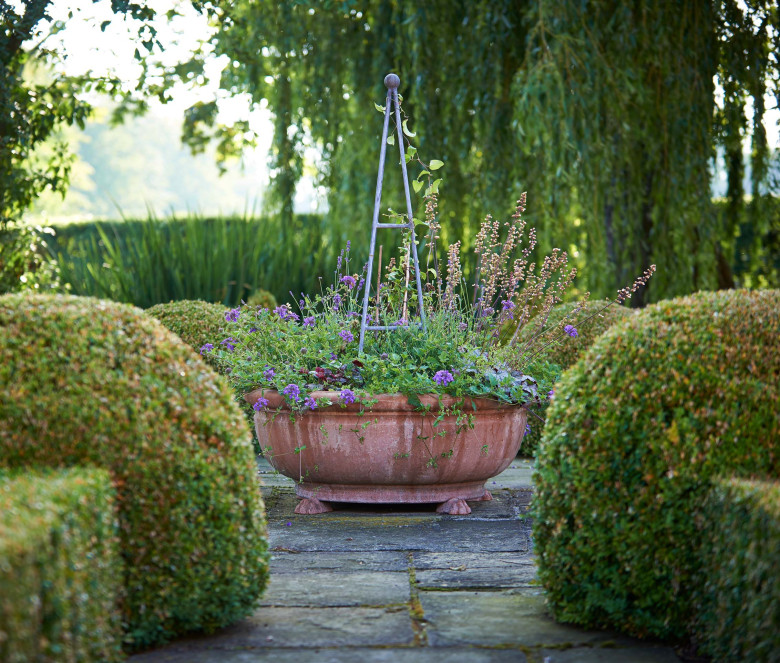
{"x": 464, "y": 578}
{"x": 274, "y": 628}
{"x": 343, "y": 562}
{"x": 502, "y": 618}
{"x": 446, "y": 560}
{"x": 330, "y": 589}
{"x": 608, "y": 655}
{"x": 343, "y": 655}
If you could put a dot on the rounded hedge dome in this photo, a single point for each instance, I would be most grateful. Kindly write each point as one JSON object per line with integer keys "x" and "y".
{"x": 195, "y": 322}
{"x": 660, "y": 405}
{"x": 95, "y": 383}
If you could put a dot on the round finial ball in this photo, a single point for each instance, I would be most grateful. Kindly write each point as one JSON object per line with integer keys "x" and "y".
{"x": 392, "y": 81}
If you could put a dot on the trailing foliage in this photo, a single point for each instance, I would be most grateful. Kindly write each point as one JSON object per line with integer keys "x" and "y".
{"x": 98, "y": 383}
{"x": 60, "y": 569}
{"x": 590, "y": 320}
{"x": 25, "y": 263}
{"x": 737, "y": 601}
{"x": 660, "y": 405}
{"x": 151, "y": 261}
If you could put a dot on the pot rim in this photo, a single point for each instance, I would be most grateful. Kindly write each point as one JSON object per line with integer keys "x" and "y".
{"x": 386, "y": 402}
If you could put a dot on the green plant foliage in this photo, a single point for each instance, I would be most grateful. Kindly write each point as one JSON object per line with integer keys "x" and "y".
{"x": 151, "y": 261}
{"x": 60, "y": 569}
{"x": 195, "y": 322}
{"x": 98, "y": 383}
{"x": 661, "y": 403}
{"x": 737, "y": 601}
{"x": 263, "y": 299}
{"x": 591, "y": 320}
{"x": 25, "y": 263}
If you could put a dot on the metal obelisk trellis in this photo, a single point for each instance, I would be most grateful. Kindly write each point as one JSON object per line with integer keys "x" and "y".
{"x": 391, "y": 82}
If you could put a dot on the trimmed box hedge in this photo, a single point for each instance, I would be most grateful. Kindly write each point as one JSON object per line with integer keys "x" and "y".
{"x": 93, "y": 382}
{"x": 737, "y": 601}
{"x": 194, "y": 321}
{"x": 60, "y": 570}
{"x": 661, "y": 404}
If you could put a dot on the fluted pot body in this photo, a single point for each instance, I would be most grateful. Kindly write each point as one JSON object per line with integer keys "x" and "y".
{"x": 390, "y": 451}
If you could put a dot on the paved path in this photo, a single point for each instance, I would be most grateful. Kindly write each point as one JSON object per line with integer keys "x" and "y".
{"x": 366, "y": 584}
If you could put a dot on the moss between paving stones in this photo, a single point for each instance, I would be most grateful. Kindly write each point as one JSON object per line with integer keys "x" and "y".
{"x": 591, "y": 321}
{"x": 660, "y": 405}
{"x": 60, "y": 568}
{"x": 92, "y": 382}
{"x": 194, "y": 321}
{"x": 738, "y": 596}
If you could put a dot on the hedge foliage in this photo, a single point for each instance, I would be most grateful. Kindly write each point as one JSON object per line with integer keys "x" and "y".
{"x": 263, "y": 299}
{"x": 738, "y": 596}
{"x": 93, "y": 382}
{"x": 662, "y": 403}
{"x": 591, "y": 321}
{"x": 60, "y": 570}
{"x": 194, "y": 321}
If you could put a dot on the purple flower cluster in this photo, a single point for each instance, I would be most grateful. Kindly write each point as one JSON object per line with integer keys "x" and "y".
{"x": 285, "y": 313}
{"x": 308, "y": 321}
{"x": 260, "y": 404}
{"x": 232, "y": 315}
{"x": 336, "y": 302}
{"x": 309, "y": 402}
{"x": 229, "y": 343}
{"x": 443, "y": 378}
{"x": 205, "y": 349}
{"x": 269, "y": 373}
{"x": 347, "y": 336}
{"x": 293, "y": 392}
{"x": 571, "y": 331}
{"x": 347, "y": 396}
{"x": 349, "y": 280}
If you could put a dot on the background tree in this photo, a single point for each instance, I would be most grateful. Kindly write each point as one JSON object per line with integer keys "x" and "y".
{"x": 36, "y": 100}
{"x": 607, "y": 113}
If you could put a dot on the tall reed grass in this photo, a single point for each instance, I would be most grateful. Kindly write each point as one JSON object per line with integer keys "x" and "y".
{"x": 222, "y": 260}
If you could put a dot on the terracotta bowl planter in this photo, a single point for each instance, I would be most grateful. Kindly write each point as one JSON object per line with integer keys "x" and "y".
{"x": 390, "y": 452}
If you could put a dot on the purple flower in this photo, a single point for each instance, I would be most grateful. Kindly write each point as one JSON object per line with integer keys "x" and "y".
{"x": 527, "y": 430}
{"x": 463, "y": 326}
{"x": 551, "y": 393}
{"x": 443, "y": 378}
{"x": 349, "y": 280}
{"x": 253, "y": 330}
{"x": 232, "y": 315}
{"x": 293, "y": 392}
{"x": 285, "y": 313}
{"x": 206, "y": 348}
{"x": 309, "y": 402}
{"x": 346, "y": 336}
{"x": 349, "y": 244}
{"x": 260, "y": 404}
{"x": 336, "y": 301}
{"x": 229, "y": 343}
{"x": 361, "y": 283}
{"x": 269, "y": 373}
{"x": 308, "y": 321}
{"x": 571, "y": 331}
{"x": 333, "y": 356}
{"x": 384, "y": 356}
{"x": 289, "y": 524}
{"x": 507, "y": 305}
{"x": 347, "y": 396}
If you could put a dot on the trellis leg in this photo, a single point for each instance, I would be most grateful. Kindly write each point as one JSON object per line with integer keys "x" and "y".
{"x": 391, "y": 82}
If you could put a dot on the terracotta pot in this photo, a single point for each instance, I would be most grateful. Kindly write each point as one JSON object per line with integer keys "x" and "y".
{"x": 388, "y": 452}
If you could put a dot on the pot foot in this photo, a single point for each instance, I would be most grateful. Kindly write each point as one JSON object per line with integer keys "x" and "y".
{"x": 311, "y": 505}
{"x": 487, "y": 497}
{"x": 455, "y": 507}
